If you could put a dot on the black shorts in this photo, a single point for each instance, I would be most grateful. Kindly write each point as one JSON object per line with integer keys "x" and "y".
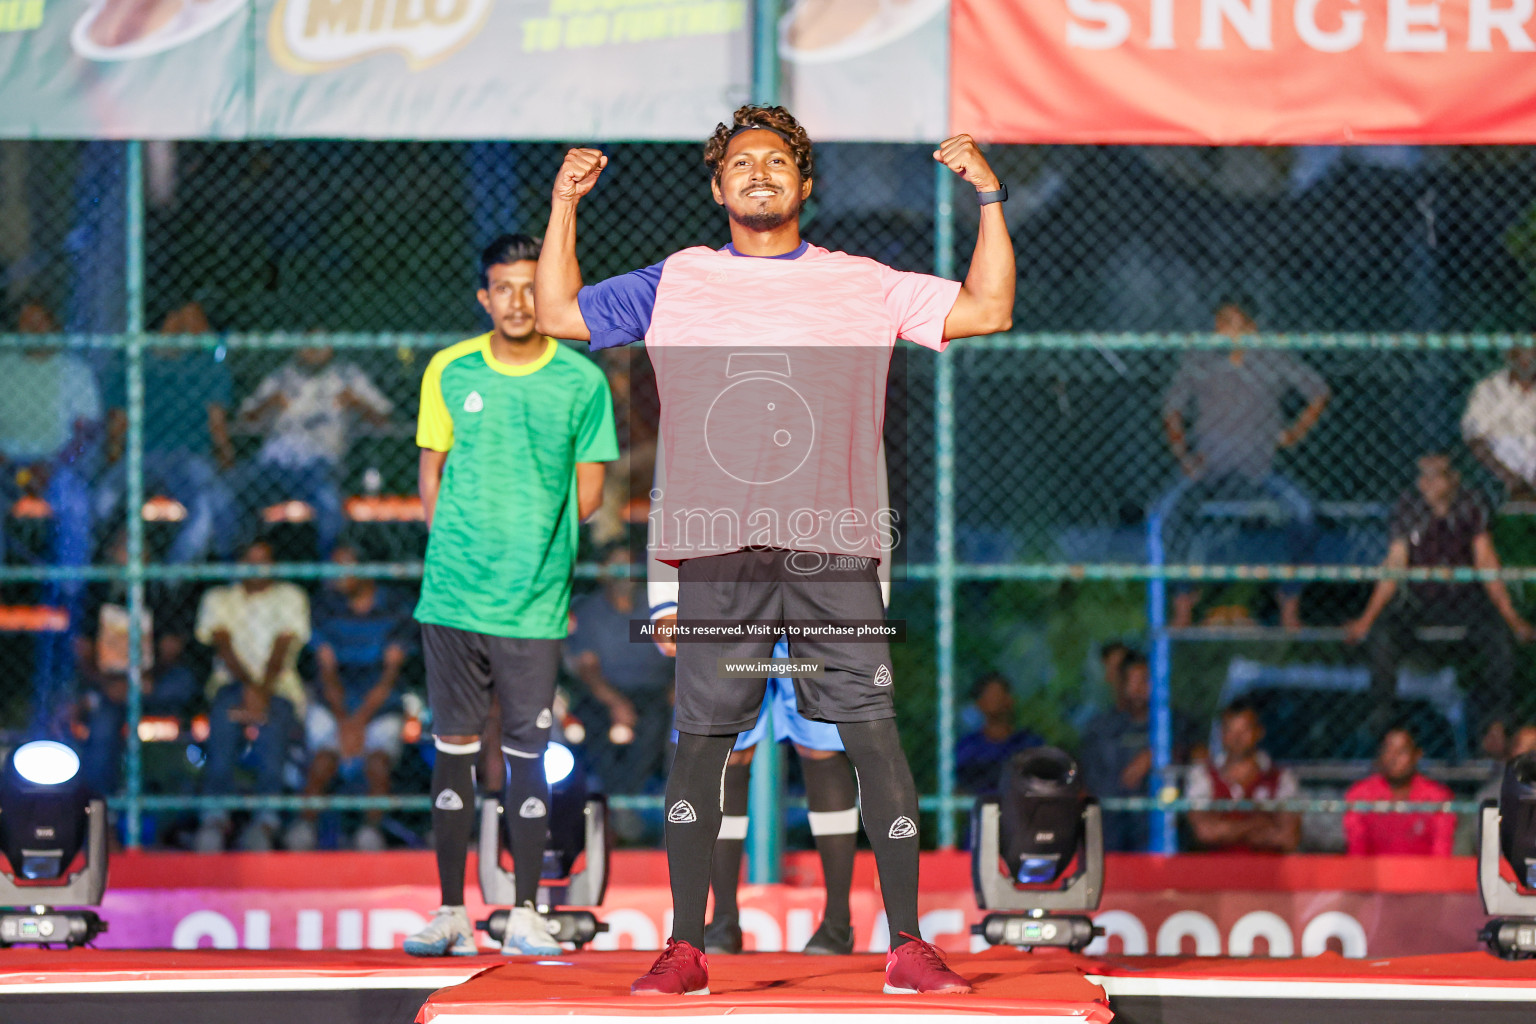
{"x": 766, "y": 585}
{"x": 465, "y": 668}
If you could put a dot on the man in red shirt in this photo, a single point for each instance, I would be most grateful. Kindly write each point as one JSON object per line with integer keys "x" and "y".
{"x": 1397, "y": 778}
{"x": 1243, "y": 771}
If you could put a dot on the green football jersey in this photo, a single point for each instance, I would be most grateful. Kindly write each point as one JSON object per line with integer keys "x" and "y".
{"x": 504, "y": 531}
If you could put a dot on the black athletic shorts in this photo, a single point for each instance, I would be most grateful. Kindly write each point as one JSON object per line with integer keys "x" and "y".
{"x": 769, "y": 585}
{"x": 465, "y": 668}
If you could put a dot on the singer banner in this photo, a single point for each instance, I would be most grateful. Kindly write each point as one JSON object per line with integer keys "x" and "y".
{"x": 1228, "y": 72}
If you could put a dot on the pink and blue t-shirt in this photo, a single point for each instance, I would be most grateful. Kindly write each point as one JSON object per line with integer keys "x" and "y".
{"x": 772, "y": 376}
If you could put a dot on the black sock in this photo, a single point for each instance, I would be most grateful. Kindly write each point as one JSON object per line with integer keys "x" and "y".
{"x": 453, "y": 818}
{"x": 832, "y": 799}
{"x": 725, "y": 868}
{"x": 525, "y": 812}
{"x": 888, "y": 803}
{"x": 694, "y": 794}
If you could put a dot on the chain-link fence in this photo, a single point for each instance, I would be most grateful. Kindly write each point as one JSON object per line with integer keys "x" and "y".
{"x": 1114, "y": 473}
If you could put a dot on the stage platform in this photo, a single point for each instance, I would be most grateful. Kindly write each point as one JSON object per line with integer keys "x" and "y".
{"x": 381, "y": 987}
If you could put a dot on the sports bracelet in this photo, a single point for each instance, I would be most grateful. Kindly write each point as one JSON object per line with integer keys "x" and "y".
{"x": 999, "y": 196}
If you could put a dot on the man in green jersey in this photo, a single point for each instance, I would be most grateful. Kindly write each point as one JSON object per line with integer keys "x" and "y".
{"x": 513, "y": 430}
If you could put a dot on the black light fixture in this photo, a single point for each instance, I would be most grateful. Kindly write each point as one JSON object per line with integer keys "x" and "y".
{"x": 47, "y": 815}
{"x": 1508, "y": 828}
{"x": 576, "y": 853}
{"x": 1047, "y": 832}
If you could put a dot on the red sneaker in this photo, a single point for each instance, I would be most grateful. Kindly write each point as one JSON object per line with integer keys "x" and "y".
{"x": 681, "y": 970}
{"x": 918, "y": 966}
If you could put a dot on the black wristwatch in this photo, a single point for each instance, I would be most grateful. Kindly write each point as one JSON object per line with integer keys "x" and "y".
{"x": 1000, "y": 196}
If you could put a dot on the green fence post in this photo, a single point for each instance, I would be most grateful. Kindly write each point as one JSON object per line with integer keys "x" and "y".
{"x": 134, "y": 243}
{"x": 944, "y": 502}
{"x": 765, "y": 802}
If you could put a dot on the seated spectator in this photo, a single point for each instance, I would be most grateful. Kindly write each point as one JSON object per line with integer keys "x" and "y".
{"x": 101, "y": 665}
{"x": 1521, "y": 741}
{"x": 628, "y": 706}
{"x": 363, "y": 632}
{"x": 1237, "y": 395}
{"x": 1397, "y": 778}
{"x": 981, "y": 755}
{"x": 1116, "y": 756}
{"x": 306, "y": 407}
{"x": 1243, "y": 772}
{"x": 49, "y": 419}
{"x": 186, "y": 440}
{"x": 1437, "y": 523}
{"x": 256, "y": 628}
{"x": 1499, "y": 424}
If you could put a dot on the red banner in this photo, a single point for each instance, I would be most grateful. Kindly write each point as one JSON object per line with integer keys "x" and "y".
{"x": 1189, "y": 905}
{"x": 1244, "y": 71}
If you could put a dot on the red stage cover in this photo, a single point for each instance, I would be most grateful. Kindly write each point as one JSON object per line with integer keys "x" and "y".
{"x": 1244, "y": 71}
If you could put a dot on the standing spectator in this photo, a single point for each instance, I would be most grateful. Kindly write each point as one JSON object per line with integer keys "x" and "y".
{"x": 1397, "y": 778}
{"x": 49, "y": 418}
{"x": 186, "y": 439}
{"x": 1243, "y": 772}
{"x": 256, "y": 627}
{"x": 631, "y": 683}
{"x": 1116, "y": 756}
{"x": 1437, "y": 523}
{"x": 1238, "y": 427}
{"x": 980, "y": 755}
{"x": 306, "y": 407}
{"x": 101, "y": 663}
{"x": 1499, "y": 424}
{"x": 363, "y": 633}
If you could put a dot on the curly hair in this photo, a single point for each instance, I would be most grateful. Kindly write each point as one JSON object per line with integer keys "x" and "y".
{"x": 775, "y": 119}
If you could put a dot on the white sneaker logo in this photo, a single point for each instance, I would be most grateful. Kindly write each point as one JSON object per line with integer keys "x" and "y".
{"x": 902, "y": 828}
{"x": 883, "y": 676}
{"x": 473, "y": 402}
{"x": 545, "y": 719}
{"x": 448, "y": 800}
{"x": 533, "y": 807}
{"x": 682, "y": 813}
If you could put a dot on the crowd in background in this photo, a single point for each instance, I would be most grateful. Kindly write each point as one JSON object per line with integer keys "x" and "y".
{"x": 277, "y": 667}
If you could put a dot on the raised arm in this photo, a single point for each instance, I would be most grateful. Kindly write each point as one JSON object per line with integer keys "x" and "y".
{"x": 558, "y": 278}
{"x": 985, "y": 302}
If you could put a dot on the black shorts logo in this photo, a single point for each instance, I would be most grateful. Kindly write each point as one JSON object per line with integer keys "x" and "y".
{"x": 883, "y": 676}
{"x": 545, "y": 720}
{"x": 533, "y": 807}
{"x": 902, "y": 828}
{"x": 682, "y": 813}
{"x": 448, "y": 800}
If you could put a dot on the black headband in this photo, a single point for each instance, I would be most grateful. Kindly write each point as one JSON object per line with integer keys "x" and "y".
{"x": 759, "y": 128}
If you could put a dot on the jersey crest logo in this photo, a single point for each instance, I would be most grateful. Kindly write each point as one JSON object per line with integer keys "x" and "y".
{"x": 533, "y": 807}
{"x": 448, "y": 800}
{"x": 473, "y": 402}
{"x": 883, "y": 676}
{"x": 682, "y": 813}
{"x": 545, "y": 719}
{"x": 902, "y": 828}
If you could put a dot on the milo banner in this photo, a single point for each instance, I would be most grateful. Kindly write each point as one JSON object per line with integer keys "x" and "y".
{"x": 447, "y": 69}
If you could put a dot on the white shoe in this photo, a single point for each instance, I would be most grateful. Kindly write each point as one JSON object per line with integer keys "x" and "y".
{"x": 528, "y": 934}
{"x": 368, "y": 839}
{"x": 447, "y": 934}
{"x": 301, "y": 836}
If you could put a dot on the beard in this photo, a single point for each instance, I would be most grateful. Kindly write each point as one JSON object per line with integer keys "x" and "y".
{"x": 766, "y": 220}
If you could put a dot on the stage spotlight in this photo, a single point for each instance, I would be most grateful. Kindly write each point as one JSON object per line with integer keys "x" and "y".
{"x": 1046, "y": 830}
{"x": 578, "y": 832}
{"x": 1509, "y": 828}
{"x": 46, "y": 816}
{"x": 558, "y": 763}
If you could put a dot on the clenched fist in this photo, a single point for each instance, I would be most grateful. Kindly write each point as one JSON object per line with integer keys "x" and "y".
{"x": 961, "y": 155}
{"x": 578, "y": 174}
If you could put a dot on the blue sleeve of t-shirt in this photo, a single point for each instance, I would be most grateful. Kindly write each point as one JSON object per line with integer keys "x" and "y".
{"x": 618, "y": 311}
